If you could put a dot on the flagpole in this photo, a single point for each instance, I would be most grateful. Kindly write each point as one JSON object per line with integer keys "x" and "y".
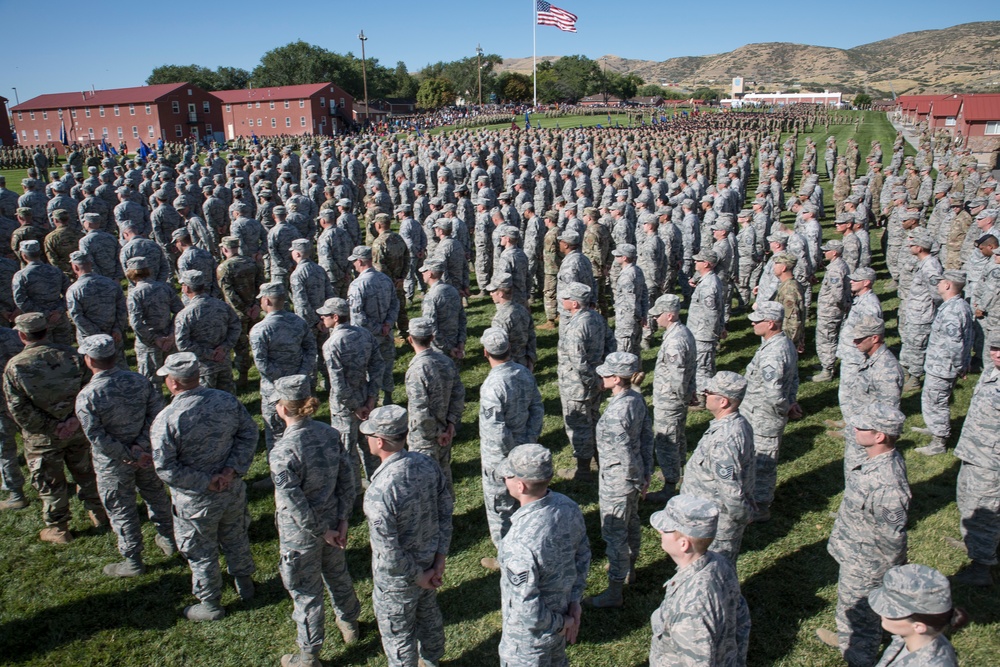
{"x": 534, "y": 48}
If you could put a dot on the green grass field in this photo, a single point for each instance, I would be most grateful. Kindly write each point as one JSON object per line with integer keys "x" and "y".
{"x": 56, "y": 608}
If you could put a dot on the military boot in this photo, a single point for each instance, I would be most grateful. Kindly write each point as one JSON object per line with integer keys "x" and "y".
{"x": 912, "y": 383}
{"x": 548, "y": 326}
{"x": 936, "y": 446}
{"x": 99, "y": 519}
{"x": 209, "y": 610}
{"x": 661, "y": 497}
{"x": 300, "y": 659}
{"x": 609, "y": 599}
{"x": 58, "y": 534}
{"x": 762, "y": 513}
{"x": 132, "y": 566}
{"x": 975, "y": 574}
{"x": 828, "y": 637}
{"x": 824, "y": 375}
{"x": 244, "y": 587}
{"x": 490, "y": 563}
{"x": 166, "y": 544}
{"x": 15, "y": 501}
{"x": 349, "y": 630}
{"x": 583, "y": 473}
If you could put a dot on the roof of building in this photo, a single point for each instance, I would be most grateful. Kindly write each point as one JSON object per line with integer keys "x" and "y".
{"x": 981, "y": 107}
{"x": 946, "y": 106}
{"x": 136, "y": 95}
{"x": 298, "y": 92}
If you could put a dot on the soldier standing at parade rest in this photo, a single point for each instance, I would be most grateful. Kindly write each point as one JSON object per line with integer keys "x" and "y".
{"x": 409, "y": 510}
{"x": 545, "y": 558}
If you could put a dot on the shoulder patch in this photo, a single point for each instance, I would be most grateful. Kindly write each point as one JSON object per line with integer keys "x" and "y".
{"x": 281, "y": 478}
{"x": 894, "y": 517}
{"x": 516, "y": 578}
{"x": 725, "y": 472}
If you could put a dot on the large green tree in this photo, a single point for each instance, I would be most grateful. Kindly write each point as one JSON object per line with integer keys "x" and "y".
{"x": 300, "y": 62}
{"x": 513, "y": 87}
{"x": 405, "y": 84}
{"x": 568, "y": 79}
{"x": 224, "y": 78}
{"x": 463, "y": 74}
{"x": 435, "y": 93}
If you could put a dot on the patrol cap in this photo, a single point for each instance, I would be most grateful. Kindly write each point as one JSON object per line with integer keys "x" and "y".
{"x": 293, "y": 388}
{"x": 362, "y": 252}
{"x": 383, "y": 217}
{"x": 667, "y": 303}
{"x": 778, "y": 237}
{"x": 728, "y": 384}
{"x": 986, "y": 214}
{"x": 495, "y": 341}
{"x": 388, "y": 421}
{"x": 421, "y": 327}
{"x": 137, "y": 262}
{"x": 500, "y": 281}
{"x": 722, "y": 225}
{"x": 509, "y": 231}
{"x": 334, "y": 306}
{"x": 344, "y": 202}
{"x": 833, "y": 244}
{"x": 180, "y": 365}
{"x": 994, "y": 341}
{"x": 403, "y": 208}
{"x": 279, "y": 210}
{"x": 449, "y": 208}
{"x": 955, "y": 276}
{"x": 571, "y": 237}
{"x": 881, "y": 417}
{"x": 180, "y": 233}
{"x": 444, "y": 224}
{"x": 193, "y": 278}
{"x": 98, "y": 346}
{"x": 862, "y": 273}
{"x": 869, "y": 325}
{"x": 619, "y": 364}
{"x": 93, "y": 217}
{"x": 745, "y": 213}
{"x": 274, "y": 290}
{"x": 768, "y": 310}
{"x": 30, "y": 247}
{"x": 690, "y": 515}
{"x": 707, "y": 255}
{"x": 530, "y": 462}
{"x": 31, "y": 323}
{"x": 624, "y": 250}
{"x": 786, "y": 258}
{"x": 231, "y": 242}
{"x": 79, "y": 257}
{"x": 301, "y": 245}
{"x": 23, "y": 211}
{"x": 574, "y": 291}
{"x": 432, "y": 264}
{"x": 911, "y": 589}
{"x": 843, "y": 220}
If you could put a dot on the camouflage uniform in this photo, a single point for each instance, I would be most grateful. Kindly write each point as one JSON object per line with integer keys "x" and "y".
{"x": 631, "y": 308}
{"x": 949, "y": 353}
{"x": 510, "y": 414}
{"x": 200, "y": 433}
{"x": 59, "y": 244}
{"x": 116, "y": 409}
{"x": 10, "y": 470}
{"x": 151, "y": 306}
{"x": 705, "y": 323}
{"x": 333, "y": 248}
{"x": 239, "y": 279}
{"x": 515, "y": 319}
{"x": 374, "y": 306}
{"x": 391, "y": 256}
{"x": 443, "y": 305}
{"x": 314, "y": 492}
{"x": 832, "y": 305}
{"x": 791, "y": 295}
{"x": 586, "y": 339}
{"x": 869, "y": 537}
{"x": 673, "y": 389}
{"x": 205, "y": 324}
{"x": 917, "y": 314}
{"x": 103, "y": 250}
{"x": 41, "y": 288}
{"x": 158, "y": 266}
{"x": 550, "y": 271}
{"x": 96, "y": 305}
{"x": 41, "y": 384}
{"x": 878, "y": 379}
{"x": 435, "y": 398}
{"x": 409, "y": 510}
{"x": 544, "y": 560}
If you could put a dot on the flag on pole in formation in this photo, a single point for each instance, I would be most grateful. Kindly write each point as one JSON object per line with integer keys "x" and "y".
{"x": 552, "y": 15}
{"x": 62, "y": 134}
{"x": 105, "y": 148}
{"x": 527, "y": 120}
{"x": 143, "y": 150}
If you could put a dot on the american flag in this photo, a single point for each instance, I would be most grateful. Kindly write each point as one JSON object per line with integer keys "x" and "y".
{"x": 552, "y": 15}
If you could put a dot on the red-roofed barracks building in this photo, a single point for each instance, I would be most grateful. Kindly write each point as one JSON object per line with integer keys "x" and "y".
{"x": 314, "y": 108}
{"x": 171, "y": 111}
{"x": 979, "y": 119}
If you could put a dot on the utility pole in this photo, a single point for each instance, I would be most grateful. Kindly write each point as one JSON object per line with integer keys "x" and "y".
{"x": 479, "y": 71}
{"x": 364, "y": 74}
{"x": 16, "y": 98}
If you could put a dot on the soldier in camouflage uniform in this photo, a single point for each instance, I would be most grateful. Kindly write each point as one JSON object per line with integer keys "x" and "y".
{"x": 705, "y": 319}
{"x": 409, "y": 510}
{"x": 515, "y": 319}
{"x": 239, "y": 280}
{"x": 375, "y": 306}
{"x": 597, "y": 248}
{"x": 10, "y": 470}
{"x": 510, "y": 414}
{"x": 62, "y": 241}
{"x": 949, "y": 355}
{"x": 282, "y": 344}
{"x": 355, "y": 369}
{"x": 137, "y": 245}
{"x": 391, "y": 256}
{"x": 625, "y": 447}
{"x": 979, "y": 476}
{"x": 772, "y": 389}
{"x": 28, "y": 231}
{"x": 310, "y": 288}
{"x": 545, "y": 559}
{"x": 631, "y": 300}
{"x": 102, "y": 247}
{"x": 435, "y": 398}
{"x": 551, "y": 258}
{"x": 41, "y": 288}
{"x": 917, "y": 310}
{"x": 116, "y": 409}
{"x": 832, "y": 305}
{"x": 41, "y": 384}
{"x": 208, "y": 327}
{"x": 151, "y": 306}
{"x": 203, "y": 444}
{"x": 703, "y": 619}
{"x": 790, "y": 295}
{"x": 722, "y": 467}
{"x": 314, "y": 494}
{"x": 332, "y": 249}
{"x": 869, "y": 535}
{"x": 96, "y": 305}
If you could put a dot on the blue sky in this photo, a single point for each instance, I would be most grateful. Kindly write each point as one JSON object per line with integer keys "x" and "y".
{"x": 61, "y": 46}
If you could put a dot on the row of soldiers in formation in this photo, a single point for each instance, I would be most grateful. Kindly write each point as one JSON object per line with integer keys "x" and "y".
{"x": 733, "y": 467}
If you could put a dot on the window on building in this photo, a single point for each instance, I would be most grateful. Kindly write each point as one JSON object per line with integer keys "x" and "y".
{"x": 90, "y": 133}
{"x": 104, "y": 132}
{"x": 31, "y": 115}
{"x": 100, "y": 111}
{"x": 59, "y": 111}
{"x": 274, "y": 122}
{"x": 342, "y": 102}
{"x": 249, "y": 105}
{"x": 208, "y": 128}
{"x": 229, "y": 107}
{"x": 322, "y": 102}
{"x": 151, "y": 132}
{"x": 48, "y": 135}
{"x": 24, "y": 134}
{"x": 121, "y": 135}
{"x": 131, "y": 110}
{"x": 86, "y": 112}
{"x": 260, "y": 122}
{"x": 993, "y": 127}
{"x": 72, "y": 112}
{"x": 302, "y": 121}
{"x": 135, "y": 131}
{"x": 949, "y": 121}
{"x": 117, "y": 112}
{"x": 258, "y": 105}
{"x": 149, "y": 110}
{"x": 36, "y": 135}
{"x": 302, "y": 104}
{"x": 20, "y": 116}
{"x": 192, "y": 108}
{"x": 190, "y": 92}
{"x": 175, "y": 106}
{"x": 271, "y": 104}
{"x": 206, "y": 106}
{"x": 45, "y": 115}
{"x": 288, "y": 121}
{"x": 178, "y": 130}
{"x": 287, "y": 104}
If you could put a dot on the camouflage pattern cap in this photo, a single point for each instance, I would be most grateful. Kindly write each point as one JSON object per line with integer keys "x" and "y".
{"x": 728, "y": 384}
{"x": 911, "y": 589}
{"x": 668, "y": 303}
{"x": 619, "y": 364}
{"x": 389, "y": 421}
{"x": 421, "y": 327}
{"x": 293, "y": 388}
{"x": 869, "y": 325}
{"x": 274, "y": 290}
{"x": 495, "y": 341}
{"x": 530, "y": 462}
{"x": 624, "y": 250}
{"x": 881, "y": 417}
{"x": 768, "y": 310}
{"x": 690, "y": 515}
{"x": 334, "y": 306}
{"x": 31, "y": 323}
{"x": 180, "y": 365}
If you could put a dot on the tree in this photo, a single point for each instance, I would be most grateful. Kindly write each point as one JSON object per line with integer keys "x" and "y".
{"x": 623, "y": 86}
{"x": 862, "y": 100}
{"x": 650, "y": 90}
{"x": 300, "y": 62}
{"x": 232, "y": 78}
{"x": 464, "y": 75}
{"x": 513, "y": 87}
{"x": 435, "y": 93}
{"x": 706, "y": 94}
{"x": 575, "y": 77}
{"x": 405, "y": 84}
{"x": 196, "y": 74}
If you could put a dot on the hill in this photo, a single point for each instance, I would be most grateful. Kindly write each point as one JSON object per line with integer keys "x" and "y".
{"x": 956, "y": 59}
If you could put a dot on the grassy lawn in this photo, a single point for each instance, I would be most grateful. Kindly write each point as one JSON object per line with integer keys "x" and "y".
{"x": 56, "y": 608}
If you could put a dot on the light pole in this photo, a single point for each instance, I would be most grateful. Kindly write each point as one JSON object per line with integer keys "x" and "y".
{"x": 479, "y": 71}
{"x": 16, "y": 98}
{"x": 364, "y": 74}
